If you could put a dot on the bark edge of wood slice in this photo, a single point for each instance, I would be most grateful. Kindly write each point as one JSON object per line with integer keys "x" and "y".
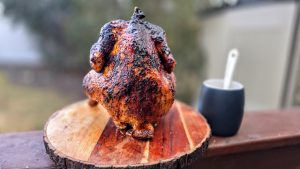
{"x": 80, "y": 136}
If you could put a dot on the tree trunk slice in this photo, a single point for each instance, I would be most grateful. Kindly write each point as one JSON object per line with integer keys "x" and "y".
{"x": 80, "y": 136}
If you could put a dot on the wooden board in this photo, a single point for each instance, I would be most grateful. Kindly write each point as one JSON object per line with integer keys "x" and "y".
{"x": 81, "y": 136}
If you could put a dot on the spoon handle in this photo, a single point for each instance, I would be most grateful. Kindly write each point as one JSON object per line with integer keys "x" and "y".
{"x": 231, "y": 62}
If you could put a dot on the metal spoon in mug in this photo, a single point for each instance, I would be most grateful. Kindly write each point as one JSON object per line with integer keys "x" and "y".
{"x": 231, "y": 62}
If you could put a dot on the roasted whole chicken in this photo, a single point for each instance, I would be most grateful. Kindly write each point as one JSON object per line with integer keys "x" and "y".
{"x": 132, "y": 74}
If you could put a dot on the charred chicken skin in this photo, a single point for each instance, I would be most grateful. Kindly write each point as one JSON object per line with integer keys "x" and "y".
{"x": 132, "y": 74}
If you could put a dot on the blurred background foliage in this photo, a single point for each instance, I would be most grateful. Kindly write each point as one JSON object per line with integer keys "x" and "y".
{"x": 66, "y": 29}
{"x": 44, "y": 48}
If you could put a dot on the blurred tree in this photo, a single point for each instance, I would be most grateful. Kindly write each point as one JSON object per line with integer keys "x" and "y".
{"x": 67, "y": 28}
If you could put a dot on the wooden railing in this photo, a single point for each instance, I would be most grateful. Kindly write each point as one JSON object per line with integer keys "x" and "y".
{"x": 269, "y": 139}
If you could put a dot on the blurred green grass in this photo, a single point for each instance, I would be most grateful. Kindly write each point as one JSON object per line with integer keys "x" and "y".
{"x": 26, "y": 107}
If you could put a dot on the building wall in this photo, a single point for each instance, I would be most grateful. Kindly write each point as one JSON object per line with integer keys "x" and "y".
{"x": 263, "y": 34}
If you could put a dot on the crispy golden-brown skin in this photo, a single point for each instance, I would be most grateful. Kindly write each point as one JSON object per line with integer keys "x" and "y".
{"x": 132, "y": 74}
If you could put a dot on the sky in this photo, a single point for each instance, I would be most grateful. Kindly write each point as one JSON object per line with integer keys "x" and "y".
{"x": 17, "y": 45}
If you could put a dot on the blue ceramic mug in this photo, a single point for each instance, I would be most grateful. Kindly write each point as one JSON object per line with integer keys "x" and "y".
{"x": 223, "y": 108}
